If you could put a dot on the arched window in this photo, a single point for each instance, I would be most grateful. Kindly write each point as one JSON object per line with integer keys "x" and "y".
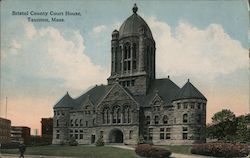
{"x": 185, "y": 118}
{"x": 125, "y": 52}
{"x": 156, "y": 120}
{"x": 116, "y": 114}
{"x": 165, "y": 119}
{"x": 106, "y": 116}
{"x": 126, "y": 115}
{"x": 148, "y": 120}
{"x": 129, "y": 52}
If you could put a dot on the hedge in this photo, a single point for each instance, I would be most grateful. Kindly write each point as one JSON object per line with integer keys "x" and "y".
{"x": 146, "y": 150}
{"x": 227, "y": 150}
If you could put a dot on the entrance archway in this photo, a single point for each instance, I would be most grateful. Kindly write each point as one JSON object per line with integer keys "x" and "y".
{"x": 116, "y": 136}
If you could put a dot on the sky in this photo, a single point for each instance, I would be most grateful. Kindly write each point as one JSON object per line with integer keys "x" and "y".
{"x": 205, "y": 41}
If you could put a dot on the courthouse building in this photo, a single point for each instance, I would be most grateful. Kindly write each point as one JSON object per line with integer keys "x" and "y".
{"x": 133, "y": 104}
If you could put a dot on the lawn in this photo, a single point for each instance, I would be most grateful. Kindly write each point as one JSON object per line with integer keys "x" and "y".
{"x": 77, "y": 151}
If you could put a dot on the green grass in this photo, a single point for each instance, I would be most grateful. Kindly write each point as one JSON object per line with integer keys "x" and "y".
{"x": 76, "y": 151}
{"x": 92, "y": 151}
{"x": 180, "y": 149}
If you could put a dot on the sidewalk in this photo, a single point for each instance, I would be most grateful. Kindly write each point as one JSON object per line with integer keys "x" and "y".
{"x": 174, "y": 155}
{"x": 30, "y": 156}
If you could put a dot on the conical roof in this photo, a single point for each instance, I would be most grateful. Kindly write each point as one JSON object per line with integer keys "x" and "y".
{"x": 189, "y": 91}
{"x": 65, "y": 102}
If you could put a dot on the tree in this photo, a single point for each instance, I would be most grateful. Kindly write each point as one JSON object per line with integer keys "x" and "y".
{"x": 223, "y": 116}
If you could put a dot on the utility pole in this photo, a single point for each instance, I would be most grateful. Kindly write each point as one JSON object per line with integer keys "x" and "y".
{"x": 6, "y": 107}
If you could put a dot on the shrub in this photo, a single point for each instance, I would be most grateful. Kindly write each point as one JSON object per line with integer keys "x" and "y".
{"x": 12, "y": 145}
{"x": 146, "y": 150}
{"x": 100, "y": 142}
{"x": 73, "y": 142}
{"x": 227, "y": 150}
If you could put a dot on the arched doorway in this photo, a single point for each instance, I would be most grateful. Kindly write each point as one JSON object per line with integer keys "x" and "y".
{"x": 116, "y": 136}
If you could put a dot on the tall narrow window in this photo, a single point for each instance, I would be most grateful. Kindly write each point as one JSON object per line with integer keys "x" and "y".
{"x": 185, "y": 118}
{"x": 134, "y": 51}
{"x": 106, "y": 116}
{"x": 81, "y": 122}
{"x": 156, "y": 120}
{"x": 118, "y": 115}
{"x": 129, "y": 65}
{"x": 126, "y": 115}
{"x": 57, "y": 123}
{"x": 148, "y": 120}
{"x": 129, "y": 52}
{"x": 125, "y": 52}
{"x": 76, "y": 122}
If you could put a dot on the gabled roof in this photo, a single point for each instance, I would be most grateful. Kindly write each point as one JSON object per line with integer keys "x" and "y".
{"x": 95, "y": 95}
{"x": 65, "y": 102}
{"x": 189, "y": 91}
{"x": 165, "y": 88}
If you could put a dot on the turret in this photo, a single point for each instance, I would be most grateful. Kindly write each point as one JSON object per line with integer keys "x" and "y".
{"x": 190, "y": 114}
{"x": 61, "y": 119}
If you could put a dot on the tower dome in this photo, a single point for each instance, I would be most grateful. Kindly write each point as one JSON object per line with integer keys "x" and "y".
{"x": 134, "y": 26}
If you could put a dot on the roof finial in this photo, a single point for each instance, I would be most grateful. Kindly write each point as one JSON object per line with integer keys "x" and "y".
{"x": 188, "y": 80}
{"x": 135, "y": 8}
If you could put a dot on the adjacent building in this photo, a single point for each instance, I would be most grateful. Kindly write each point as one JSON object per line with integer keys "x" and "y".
{"x": 20, "y": 134}
{"x": 133, "y": 104}
{"x": 47, "y": 128}
{"x": 5, "y": 125}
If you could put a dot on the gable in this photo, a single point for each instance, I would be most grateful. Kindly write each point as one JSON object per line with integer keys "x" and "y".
{"x": 157, "y": 100}
{"x": 117, "y": 93}
{"x": 87, "y": 103}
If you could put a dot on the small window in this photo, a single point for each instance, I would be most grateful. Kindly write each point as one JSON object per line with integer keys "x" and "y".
{"x": 132, "y": 82}
{"x": 76, "y": 136}
{"x": 57, "y": 136}
{"x": 81, "y": 136}
{"x": 168, "y": 135}
{"x": 165, "y": 119}
{"x": 161, "y": 136}
{"x": 156, "y": 120}
{"x": 86, "y": 124}
{"x": 185, "y": 106}
{"x": 184, "y": 129}
{"x": 185, "y": 118}
{"x": 199, "y": 106}
{"x": 192, "y": 106}
{"x": 178, "y": 105}
{"x": 184, "y": 136}
{"x": 148, "y": 120}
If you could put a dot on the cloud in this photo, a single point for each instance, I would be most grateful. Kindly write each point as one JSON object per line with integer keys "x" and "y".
{"x": 99, "y": 29}
{"x": 15, "y": 46}
{"x": 187, "y": 49}
{"x": 51, "y": 54}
